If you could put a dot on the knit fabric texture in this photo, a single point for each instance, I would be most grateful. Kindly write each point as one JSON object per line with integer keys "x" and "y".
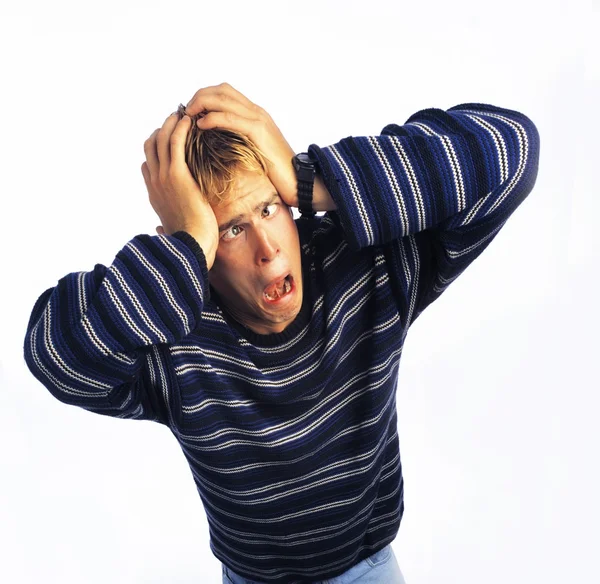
{"x": 292, "y": 437}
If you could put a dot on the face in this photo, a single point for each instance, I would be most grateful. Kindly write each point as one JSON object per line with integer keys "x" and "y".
{"x": 258, "y": 246}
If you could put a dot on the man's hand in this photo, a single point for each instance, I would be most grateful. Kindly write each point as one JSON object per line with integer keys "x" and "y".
{"x": 227, "y": 108}
{"x": 173, "y": 192}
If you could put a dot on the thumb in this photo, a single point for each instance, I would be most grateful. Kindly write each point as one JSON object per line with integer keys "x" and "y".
{"x": 160, "y": 230}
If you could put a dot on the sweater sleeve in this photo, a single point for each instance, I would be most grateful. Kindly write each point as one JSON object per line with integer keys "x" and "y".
{"x": 94, "y": 339}
{"x": 444, "y": 183}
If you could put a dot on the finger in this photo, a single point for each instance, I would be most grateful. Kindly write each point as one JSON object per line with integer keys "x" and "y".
{"x": 177, "y": 144}
{"x": 148, "y": 180}
{"x": 221, "y": 97}
{"x": 151, "y": 155}
{"x": 227, "y": 121}
{"x": 160, "y": 230}
{"x": 217, "y": 100}
{"x": 163, "y": 147}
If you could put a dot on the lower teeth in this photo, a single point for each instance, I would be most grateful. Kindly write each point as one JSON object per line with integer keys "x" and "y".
{"x": 285, "y": 289}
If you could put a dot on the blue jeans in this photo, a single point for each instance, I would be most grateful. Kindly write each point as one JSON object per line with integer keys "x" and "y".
{"x": 380, "y": 568}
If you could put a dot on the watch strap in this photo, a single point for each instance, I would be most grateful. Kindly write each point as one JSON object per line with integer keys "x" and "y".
{"x": 305, "y": 197}
{"x": 305, "y": 173}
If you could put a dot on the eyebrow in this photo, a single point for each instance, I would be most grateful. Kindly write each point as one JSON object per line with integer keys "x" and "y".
{"x": 240, "y": 218}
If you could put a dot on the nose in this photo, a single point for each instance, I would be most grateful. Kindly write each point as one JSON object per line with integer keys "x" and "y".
{"x": 267, "y": 247}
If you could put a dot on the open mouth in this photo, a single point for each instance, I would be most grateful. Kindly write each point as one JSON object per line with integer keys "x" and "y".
{"x": 279, "y": 289}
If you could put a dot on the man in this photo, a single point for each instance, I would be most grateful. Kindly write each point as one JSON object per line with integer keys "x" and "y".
{"x": 270, "y": 347}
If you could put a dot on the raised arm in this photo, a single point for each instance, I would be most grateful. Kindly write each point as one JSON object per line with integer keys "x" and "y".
{"x": 92, "y": 340}
{"x": 450, "y": 170}
{"x": 437, "y": 189}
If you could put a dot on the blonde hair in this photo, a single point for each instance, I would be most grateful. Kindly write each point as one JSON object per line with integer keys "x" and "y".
{"x": 215, "y": 156}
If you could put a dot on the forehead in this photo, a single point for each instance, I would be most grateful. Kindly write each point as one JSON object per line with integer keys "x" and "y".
{"x": 248, "y": 190}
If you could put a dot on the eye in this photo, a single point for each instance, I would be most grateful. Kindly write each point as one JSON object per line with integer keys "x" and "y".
{"x": 229, "y": 234}
{"x": 273, "y": 208}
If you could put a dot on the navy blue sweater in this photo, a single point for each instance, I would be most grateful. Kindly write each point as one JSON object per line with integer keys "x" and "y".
{"x": 292, "y": 437}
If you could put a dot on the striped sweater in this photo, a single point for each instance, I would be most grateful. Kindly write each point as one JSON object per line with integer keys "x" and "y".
{"x": 292, "y": 437}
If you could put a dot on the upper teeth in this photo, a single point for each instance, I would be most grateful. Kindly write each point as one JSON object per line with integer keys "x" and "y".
{"x": 285, "y": 288}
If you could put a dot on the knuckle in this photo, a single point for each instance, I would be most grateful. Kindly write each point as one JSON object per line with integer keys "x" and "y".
{"x": 262, "y": 116}
{"x": 173, "y": 174}
{"x": 163, "y": 175}
{"x": 150, "y": 139}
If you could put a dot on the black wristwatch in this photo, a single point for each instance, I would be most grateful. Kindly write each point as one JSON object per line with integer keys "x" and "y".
{"x": 306, "y": 169}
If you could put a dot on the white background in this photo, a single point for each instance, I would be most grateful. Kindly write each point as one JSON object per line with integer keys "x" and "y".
{"x": 498, "y": 394}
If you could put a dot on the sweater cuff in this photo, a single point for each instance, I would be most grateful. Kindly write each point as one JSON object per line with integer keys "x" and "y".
{"x": 336, "y": 186}
{"x": 193, "y": 244}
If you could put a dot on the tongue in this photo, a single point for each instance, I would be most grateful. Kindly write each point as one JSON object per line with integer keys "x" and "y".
{"x": 275, "y": 290}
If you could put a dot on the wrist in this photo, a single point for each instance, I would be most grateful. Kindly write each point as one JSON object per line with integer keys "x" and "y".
{"x": 192, "y": 242}
{"x": 322, "y": 199}
{"x": 311, "y": 192}
{"x": 208, "y": 245}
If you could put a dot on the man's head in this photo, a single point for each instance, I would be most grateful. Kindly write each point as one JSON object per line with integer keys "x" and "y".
{"x": 258, "y": 239}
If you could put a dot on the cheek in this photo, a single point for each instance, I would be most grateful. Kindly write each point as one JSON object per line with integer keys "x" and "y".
{"x": 286, "y": 225}
{"x": 219, "y": 274}
{"x": 228, "y": 275}
{"x": 292, "y": 238}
